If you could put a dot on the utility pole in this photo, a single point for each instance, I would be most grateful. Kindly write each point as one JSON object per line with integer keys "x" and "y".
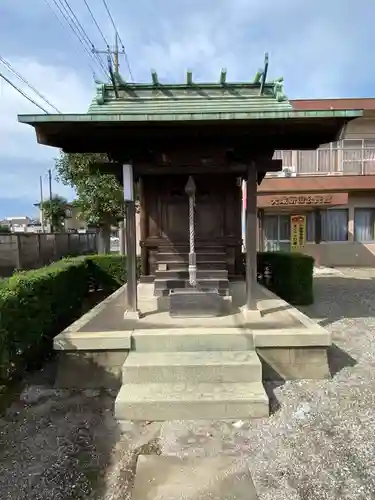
{"x": 116, "y": 52}
{"x": 41, "y": 203}
{"x": 50, "y": 197}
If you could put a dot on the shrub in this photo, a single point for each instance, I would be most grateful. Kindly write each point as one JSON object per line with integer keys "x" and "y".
{"x": 108, "y": 272}
{"x": 36, "y": 305}
{"x": 288, "y": 274}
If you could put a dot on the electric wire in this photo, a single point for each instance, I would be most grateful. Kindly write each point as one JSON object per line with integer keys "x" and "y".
{"x": 99, "y": 29}
{"x": 23, "y": 80}
{"x": 77, "y": 34}
{"x": 84, "y": 36}
{"x": 23, "y": 93}
{"x": 70, "y": 35}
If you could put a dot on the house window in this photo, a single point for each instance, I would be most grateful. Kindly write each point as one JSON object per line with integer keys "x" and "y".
{"x": 358, "y": 156}
{"x": 335, "y": 224}
{"x": 364, "y": 223}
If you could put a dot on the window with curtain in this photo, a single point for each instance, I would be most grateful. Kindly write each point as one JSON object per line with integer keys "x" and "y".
{"x": 335, "y": 224}
{"x": 364, "y": 222}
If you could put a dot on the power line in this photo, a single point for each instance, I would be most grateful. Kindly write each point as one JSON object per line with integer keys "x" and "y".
{"x": 23, "y": 93}
{"x": 20, "y": 77}
{"x": 117, "y": 33}
{"x": 99, "y": 29}
{"x": 82, "y": 33}
{"x": 72, "y": 25}
{"x": 64, "y": 28}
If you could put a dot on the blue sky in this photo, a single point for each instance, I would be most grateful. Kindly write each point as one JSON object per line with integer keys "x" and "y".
{"x": 322, "y": 48}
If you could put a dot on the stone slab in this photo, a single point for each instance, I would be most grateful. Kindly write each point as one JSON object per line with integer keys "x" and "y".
{"x": 194, "y": 303}
{"x": 191, "y": 401}
{"x": 210, "y": 478}
{"x": 192, "y": 339}
{"x": 200, "y": 366}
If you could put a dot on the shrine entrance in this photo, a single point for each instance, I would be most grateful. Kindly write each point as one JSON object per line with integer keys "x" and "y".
{"x": 217, "y": 219}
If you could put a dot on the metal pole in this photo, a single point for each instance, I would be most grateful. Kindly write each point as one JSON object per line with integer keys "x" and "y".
{"x": 50, "y": 197}
{"x": 41, "y": 203}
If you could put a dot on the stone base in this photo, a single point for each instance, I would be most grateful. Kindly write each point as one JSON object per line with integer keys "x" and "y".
{"x": 294, "y": 363}
{"x": 195, "y": 303}
{"x": 171, "y": 477}
{"x": 132, "y": 314}
{"x": 251, "y": 314}
{"x": 90, "y": 369}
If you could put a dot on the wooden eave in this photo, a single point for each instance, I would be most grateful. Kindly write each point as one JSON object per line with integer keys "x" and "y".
{"x": 296, "y": 129}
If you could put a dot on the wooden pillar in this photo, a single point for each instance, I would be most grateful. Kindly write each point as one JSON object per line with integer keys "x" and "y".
{"x": 251, "y": 237}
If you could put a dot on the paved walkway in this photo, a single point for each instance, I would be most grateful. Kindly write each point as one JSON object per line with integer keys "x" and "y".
{"x": 318, "y": 444}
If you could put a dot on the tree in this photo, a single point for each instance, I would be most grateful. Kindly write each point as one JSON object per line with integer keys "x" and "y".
{"x": 55, "y": 212}
{"x": 100, "y": 198}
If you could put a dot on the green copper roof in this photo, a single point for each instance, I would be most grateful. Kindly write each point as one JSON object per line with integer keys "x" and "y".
{"x": 140, "y": 102}
{"x": 189, "y": 100}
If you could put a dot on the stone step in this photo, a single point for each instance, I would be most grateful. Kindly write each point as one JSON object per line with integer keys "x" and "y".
{"x": 184, "y": 257}
{"x": 170, "y": 284}
{"x": 178, "y": 265}
{"x": 191, "y": 401}
{"x": 184, "y": 274}
{"x": 192, "y": 339}
{"x": 201, "y": 366}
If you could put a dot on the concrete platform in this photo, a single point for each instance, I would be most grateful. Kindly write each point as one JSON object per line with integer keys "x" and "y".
{"x": 278, "y": 324}
{"x": 211, "y": 478}
{"x": 94, "y": 352}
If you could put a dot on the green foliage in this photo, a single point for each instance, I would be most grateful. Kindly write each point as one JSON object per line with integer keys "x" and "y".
{"x": 4, "y": 229}
{"x": 99, "y": 196}
{"x": 290, "y": 275}
{"x": 55, "y": 212}
{"x": 36, "y": 305}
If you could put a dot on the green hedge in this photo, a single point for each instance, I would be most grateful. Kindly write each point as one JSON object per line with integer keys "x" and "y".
{"x": 288, "y": 274}
{"x": 36, "y": 305}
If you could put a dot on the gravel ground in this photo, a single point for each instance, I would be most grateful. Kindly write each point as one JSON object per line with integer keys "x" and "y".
{"x": 318, "y": 444}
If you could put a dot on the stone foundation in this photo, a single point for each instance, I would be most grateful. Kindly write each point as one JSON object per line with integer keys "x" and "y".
{"x": 294, "y": 363}
{"x": 90, "y": 369}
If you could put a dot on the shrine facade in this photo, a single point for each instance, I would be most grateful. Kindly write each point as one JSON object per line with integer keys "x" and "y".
{"x": 217, "y": 133}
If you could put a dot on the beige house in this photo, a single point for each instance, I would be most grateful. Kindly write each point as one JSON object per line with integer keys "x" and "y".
{"x": 333, "y": 187}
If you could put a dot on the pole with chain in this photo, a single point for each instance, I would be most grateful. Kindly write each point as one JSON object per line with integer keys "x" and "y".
{"x": 190, "y": 190}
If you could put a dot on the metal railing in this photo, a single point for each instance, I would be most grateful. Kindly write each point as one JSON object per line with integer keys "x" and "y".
{"x": 327, "y": 161}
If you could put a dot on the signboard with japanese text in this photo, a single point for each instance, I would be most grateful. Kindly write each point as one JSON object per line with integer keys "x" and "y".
{"x": 298, "y": 232}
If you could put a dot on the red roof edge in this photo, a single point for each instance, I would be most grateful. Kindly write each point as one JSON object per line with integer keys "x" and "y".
{"x": 366, "y": 103}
